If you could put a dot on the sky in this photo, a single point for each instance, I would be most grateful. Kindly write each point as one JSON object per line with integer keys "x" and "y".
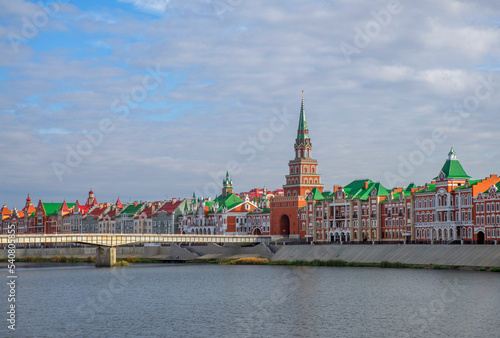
{"x": 156, "y": 99}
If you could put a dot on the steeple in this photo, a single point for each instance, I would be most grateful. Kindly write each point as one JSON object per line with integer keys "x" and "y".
{"x": 303, "y": 142}
{"x": 302, "y": 131}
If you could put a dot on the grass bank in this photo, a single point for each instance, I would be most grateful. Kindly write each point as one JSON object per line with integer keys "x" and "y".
{"x": 341, "y": 263}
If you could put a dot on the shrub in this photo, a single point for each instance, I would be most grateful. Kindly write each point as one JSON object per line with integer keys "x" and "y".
{"x": 393, "y": 265}
{"x": 249, "y": 261}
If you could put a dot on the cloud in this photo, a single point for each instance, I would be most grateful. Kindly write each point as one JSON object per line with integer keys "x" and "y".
{"x": 154, "y": 6}
{"x": 228, "y": 75}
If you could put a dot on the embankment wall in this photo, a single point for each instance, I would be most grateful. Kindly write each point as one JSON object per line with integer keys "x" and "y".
{"x": 446, "y": 255}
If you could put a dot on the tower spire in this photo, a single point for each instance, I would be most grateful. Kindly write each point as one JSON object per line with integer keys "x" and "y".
{"x": 303, "y": 142}
{"x": 302, "y": 131}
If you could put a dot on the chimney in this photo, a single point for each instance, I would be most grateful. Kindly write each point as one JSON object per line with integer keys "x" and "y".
{"x": 365, "y": 185}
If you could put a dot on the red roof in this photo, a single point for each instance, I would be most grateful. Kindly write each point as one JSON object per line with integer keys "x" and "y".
{"x": 64, "y": 207}
{"x": 119, "y": 203}
{"x": 168, "y": 207}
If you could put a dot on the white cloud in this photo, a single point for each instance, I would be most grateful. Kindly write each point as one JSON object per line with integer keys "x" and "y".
{"x": 156, "y": 6}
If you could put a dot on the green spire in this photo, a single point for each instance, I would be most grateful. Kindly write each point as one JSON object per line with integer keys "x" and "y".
{"x": 302, "y": 131}
{"x": 227, "y": 181}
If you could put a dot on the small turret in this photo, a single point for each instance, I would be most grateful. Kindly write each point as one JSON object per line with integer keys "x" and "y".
{"x": 227, "y": 185}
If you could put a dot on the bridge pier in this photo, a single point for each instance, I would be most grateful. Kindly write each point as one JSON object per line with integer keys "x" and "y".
{"x": 105, "y": 257}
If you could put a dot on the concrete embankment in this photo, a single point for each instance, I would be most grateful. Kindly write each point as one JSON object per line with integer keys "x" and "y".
{"x": 445, "y": 255}
{"x": 172, "y": 252}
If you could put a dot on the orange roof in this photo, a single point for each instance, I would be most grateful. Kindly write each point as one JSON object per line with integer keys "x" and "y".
{"x": 31, "y": 209}
{"x": 5, "y": 210}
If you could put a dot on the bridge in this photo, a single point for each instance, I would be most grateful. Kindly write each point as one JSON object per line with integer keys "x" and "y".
{"x": 107, "y": 243}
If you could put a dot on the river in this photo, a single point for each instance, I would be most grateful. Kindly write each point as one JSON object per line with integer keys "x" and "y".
{"x": 191, "y": 300}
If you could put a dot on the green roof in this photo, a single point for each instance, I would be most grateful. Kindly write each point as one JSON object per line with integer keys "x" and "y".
{"x": 471, "y": 183}
{"x": 409, "y": 187}
{"x": 452, "y": 167}
{"x": 52, "y": 209}
{"x": 356, "y": 189}
{"x": 131, "y": 209}
{"x": 432, "y": 188}
{"x": 228, "y": 201}
{"x": 317, "y": 195}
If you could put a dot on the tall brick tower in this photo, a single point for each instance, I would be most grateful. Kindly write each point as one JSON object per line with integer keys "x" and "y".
{"x": 301, "y": 179}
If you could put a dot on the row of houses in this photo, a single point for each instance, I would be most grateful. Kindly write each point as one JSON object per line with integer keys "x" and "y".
{"x": 226, "y": 214}
{"x": 94, "y": 217}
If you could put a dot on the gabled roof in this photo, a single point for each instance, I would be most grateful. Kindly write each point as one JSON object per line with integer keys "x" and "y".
{"x": 353, "y": 187}
{"x": 131, "y": 209}
{"x": 97, "y": 211}
{"x": 356, "y": 189}
{"x": 259, "y": 211}
{"x": 119, "y": 203}
{"x": 229, "y": 201}
{"x": 5, "y": 212}
{"x": 52, "y": 209}
{"x": 431, "y": 188}
{"x": 168, "y": 207}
